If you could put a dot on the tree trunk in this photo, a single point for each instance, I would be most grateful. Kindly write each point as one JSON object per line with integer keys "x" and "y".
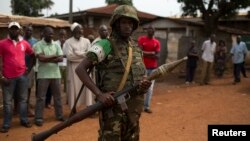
{"x": 211, "y": 24}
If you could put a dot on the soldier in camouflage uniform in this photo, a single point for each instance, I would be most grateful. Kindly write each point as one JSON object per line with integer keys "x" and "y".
{"x": 110, "y": 57}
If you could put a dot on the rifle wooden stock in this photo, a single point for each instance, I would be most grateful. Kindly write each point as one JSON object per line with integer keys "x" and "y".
{"x": 77, "y": 117}
{"x": 160, "y": 71}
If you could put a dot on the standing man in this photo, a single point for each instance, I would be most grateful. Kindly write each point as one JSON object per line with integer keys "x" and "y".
{"x": 13, "y": 71}
{"x": 151, "y": 48}
{"x": 208, "y": 49}
{"x": 63, "y": 64}
{"x": 238, "y": 52}
{"x": 49, "y": 54}
{"x": 193, "y": 57}
{"x": 103, "y": 33}
{"x": 75, "y": 49}
{"x": 28, "y": 31}
{"x": 110, "y": 56}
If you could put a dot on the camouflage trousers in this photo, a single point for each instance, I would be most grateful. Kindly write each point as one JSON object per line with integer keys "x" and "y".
{"x": 122, "y": 126}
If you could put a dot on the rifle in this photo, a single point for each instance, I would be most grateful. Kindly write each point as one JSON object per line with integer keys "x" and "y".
{"x": 73, "y": 110}
{"x": 119, "y": 97}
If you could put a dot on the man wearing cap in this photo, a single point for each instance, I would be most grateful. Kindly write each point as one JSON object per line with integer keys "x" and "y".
{"x": 112, "y": 57}
{"x": 75, "y": 49}
{"x": 12, "y": 53}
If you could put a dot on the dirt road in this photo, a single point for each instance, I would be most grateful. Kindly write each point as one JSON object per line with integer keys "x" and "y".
{"x": 180, "y": 112}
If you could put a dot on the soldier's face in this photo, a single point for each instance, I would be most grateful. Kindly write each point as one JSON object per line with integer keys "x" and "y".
{"x": 126, "y": 27}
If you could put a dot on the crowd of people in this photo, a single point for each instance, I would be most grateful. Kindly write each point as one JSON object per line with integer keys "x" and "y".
{"x": 215, "y": 57}
{"x": 44, "y": 64}
{"x": 101, "y": 66}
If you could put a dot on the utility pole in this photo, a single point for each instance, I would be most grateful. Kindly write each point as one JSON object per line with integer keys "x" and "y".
{"x": 70, "y": 11}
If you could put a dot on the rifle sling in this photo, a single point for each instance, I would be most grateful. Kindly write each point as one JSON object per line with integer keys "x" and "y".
{"x": 127, "y": 69}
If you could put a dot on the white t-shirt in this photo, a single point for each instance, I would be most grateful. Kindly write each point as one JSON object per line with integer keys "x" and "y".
{"x": 64, "y": 62}
{"x": 208, "y": 49}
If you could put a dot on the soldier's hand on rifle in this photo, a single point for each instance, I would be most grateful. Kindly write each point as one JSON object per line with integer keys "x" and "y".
{"x": 106, "y": 98}
{"x": 144, "y": 85}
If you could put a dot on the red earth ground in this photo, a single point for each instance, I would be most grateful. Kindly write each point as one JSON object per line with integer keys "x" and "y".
{"x": 180, "y": 113}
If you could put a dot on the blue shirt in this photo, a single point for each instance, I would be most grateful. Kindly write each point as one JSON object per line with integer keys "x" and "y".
{"x": 238, "y": 51}
{"x": 31, "y": 41}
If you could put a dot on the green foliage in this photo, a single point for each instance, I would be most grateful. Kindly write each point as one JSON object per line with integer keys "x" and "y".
{"x": 30, "y": 7}
{"x": 212, "y": 10}
{"x": 219, "y": 7}
{"x": 119, "y": 2}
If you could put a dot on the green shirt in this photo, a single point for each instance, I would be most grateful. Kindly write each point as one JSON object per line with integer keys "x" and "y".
{"x": 48, "y": 70}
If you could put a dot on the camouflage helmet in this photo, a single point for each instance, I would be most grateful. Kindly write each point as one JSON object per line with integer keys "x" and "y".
{"x": 125, "y": 11}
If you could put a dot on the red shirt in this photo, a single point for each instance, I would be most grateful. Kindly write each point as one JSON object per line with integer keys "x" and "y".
{"x": 150, "y": 45}
{"x": 13, "y": 57}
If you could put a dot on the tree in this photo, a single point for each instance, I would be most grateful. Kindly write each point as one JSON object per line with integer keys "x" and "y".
{"x": 30, "y": 7}
{"x": 212, "y": 10}
{"x": 119, "y": 2}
